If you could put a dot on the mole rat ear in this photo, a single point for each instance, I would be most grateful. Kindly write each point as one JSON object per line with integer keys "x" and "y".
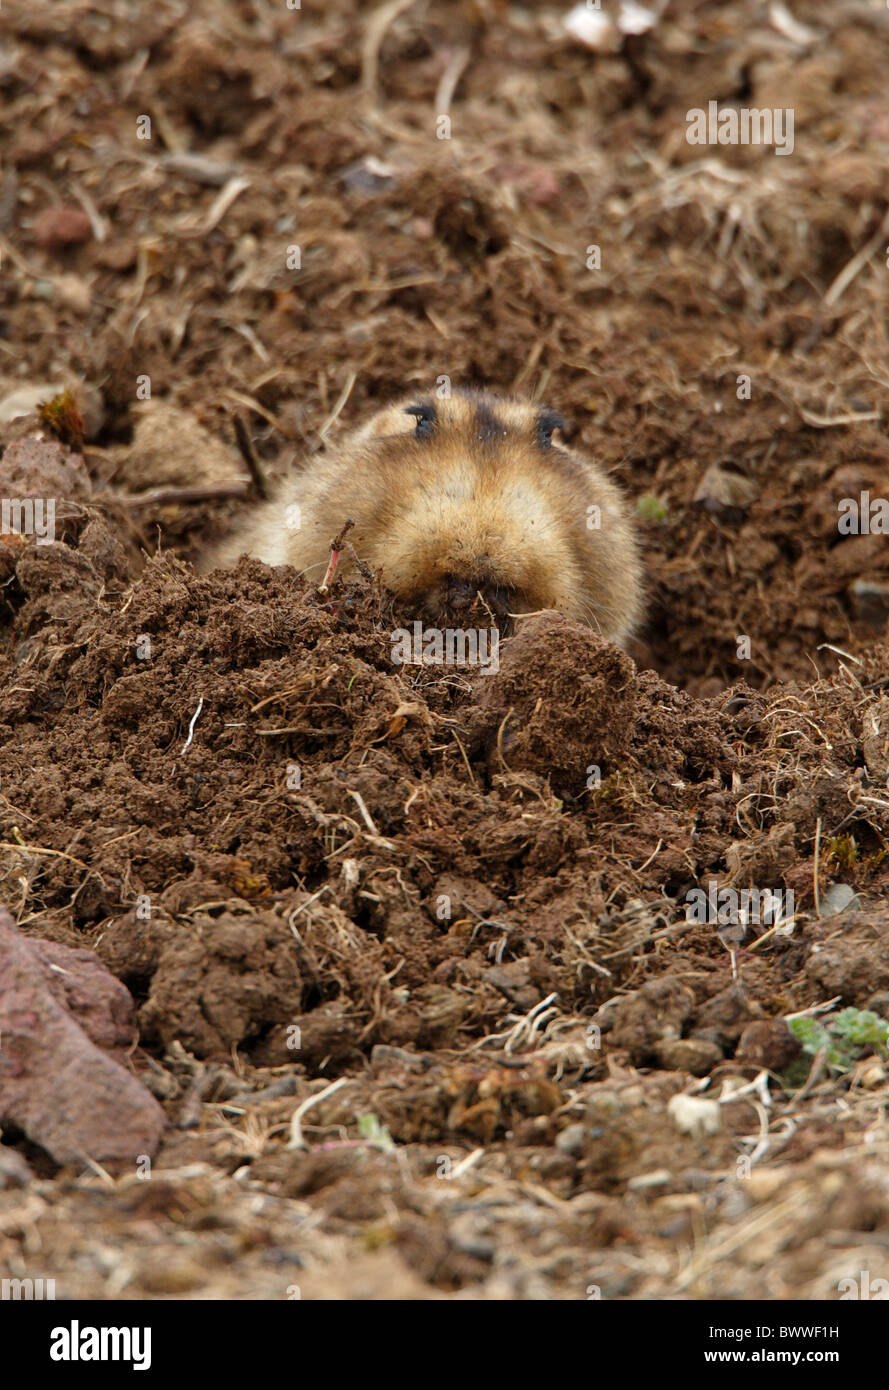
{"x": 548, "y": 421}
{"x": 426, "y": 415}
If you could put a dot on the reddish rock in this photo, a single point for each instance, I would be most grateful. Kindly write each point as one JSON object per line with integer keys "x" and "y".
{"x": 61, "y": 226}
{"x": 62, "y": 1017}
{"x": 535, "y": 183}
{"x": 35, "y": 467}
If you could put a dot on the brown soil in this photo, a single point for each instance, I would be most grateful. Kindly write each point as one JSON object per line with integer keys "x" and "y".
{"x": 411, "y": 881}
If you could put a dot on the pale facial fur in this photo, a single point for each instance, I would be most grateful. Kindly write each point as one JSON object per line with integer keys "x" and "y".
{"x": 465, "y": 505}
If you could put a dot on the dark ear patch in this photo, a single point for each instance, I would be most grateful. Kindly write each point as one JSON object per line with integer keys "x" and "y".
{"x": 547, "y": 422}
{"x": 488, "y": 426}
{"x": 427, "y": 416}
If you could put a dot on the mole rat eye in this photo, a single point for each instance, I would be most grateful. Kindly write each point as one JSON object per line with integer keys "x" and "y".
{"x": 547, "y": 422}
{"x": 426, "y": 419}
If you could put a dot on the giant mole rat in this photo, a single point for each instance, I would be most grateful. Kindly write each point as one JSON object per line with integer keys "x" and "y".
{"x": 466, "y": 504}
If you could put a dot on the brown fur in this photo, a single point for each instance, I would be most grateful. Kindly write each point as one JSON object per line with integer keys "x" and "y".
{"x": 472, "y": 504}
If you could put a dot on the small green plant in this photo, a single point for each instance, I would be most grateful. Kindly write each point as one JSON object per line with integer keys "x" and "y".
{"x": 374, "y": 1133}
{"x": 863, "y": 1029}
{"x": 844, "y": 1036}
{"x": 651, "y": 508}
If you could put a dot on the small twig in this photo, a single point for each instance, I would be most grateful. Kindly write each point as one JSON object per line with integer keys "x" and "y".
{"x": 759, "y": 1085}
{"x": 162, "y": 495}
{"x": 99, "y": 1171}
{"x": 195, "y": 166}
{"x": 817, "y": 858}
{"x": 466, "y": 1163}
{"x": 858, "y": 261}
{"x": 296, "y": 1140}
{"x": 19, "y": 260}
{"x": 815, "y": 1073}
{"x": 365, "y": 814}
{"x": 373, "y": 40}
{"x": 465, "y": 759}
{"x": 97, "y": 222}
{"x": 302, "y": 907}
{"x": 272, "y": 699}
{"x": 503, "y": 762}
{"x": 288, "y": 729}
{"x": 222, "y": 202}
{"x": 651, "y": 857}
{"x": 826, "y": 421}
{"x": 784, "y": 925}
{"x": 815, "y": 1009}
{"x": 259, "y": 409}
{"x": 336, "y": 550}
{"x": 362, "y": 566}
{"x": 826, "y": 646}
{"x": 341, "y": 401}
{"x": 194, "y": 720}
{"x": 248, "y": 453}
{"x": 449, "y": 79}
{"x": 38, "y": 849}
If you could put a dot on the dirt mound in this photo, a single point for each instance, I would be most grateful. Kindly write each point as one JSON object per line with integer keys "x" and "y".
{"x": 411, "y": 949}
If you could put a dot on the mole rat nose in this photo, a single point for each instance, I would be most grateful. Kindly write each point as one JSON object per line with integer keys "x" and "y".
{"x": 462, "y": 593}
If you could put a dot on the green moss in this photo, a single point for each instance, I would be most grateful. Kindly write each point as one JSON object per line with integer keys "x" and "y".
{"x": 62, "y": 417}
{"x": 843, "y": 850}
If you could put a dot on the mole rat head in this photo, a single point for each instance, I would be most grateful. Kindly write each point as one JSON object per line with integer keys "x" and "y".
{"x": 482, "y": 514}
